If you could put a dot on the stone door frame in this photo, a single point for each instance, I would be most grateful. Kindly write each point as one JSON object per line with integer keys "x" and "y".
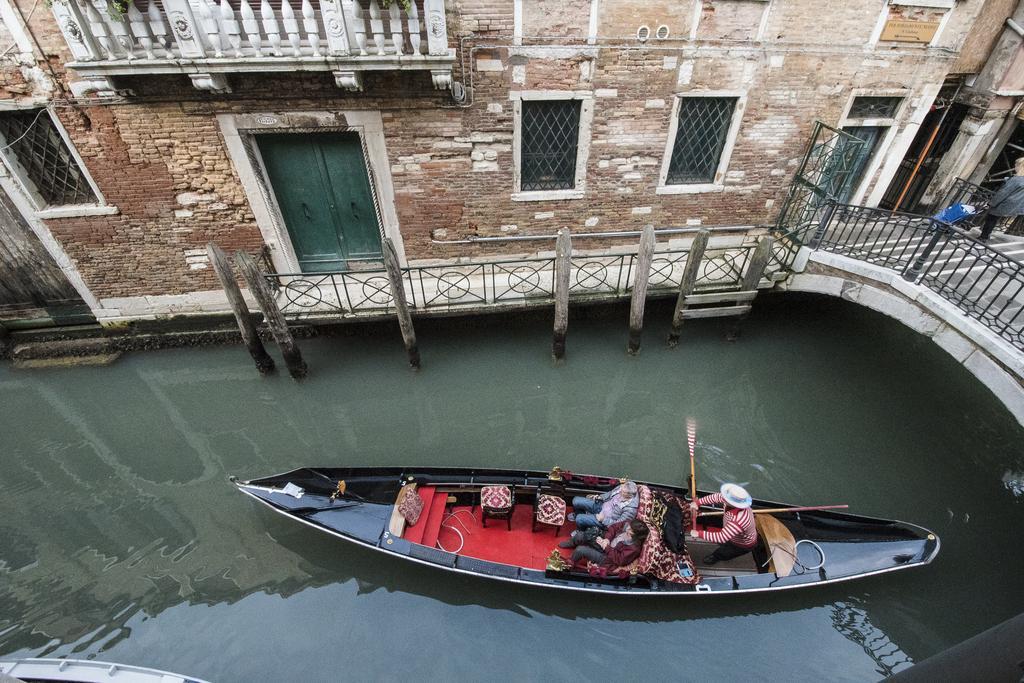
{"x": 240, "y": 132}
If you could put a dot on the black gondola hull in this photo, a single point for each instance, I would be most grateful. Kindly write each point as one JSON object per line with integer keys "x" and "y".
{"x": 853, "y": 546}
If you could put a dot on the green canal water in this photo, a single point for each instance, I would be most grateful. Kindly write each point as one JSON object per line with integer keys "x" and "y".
{"x": 122, "y": 540}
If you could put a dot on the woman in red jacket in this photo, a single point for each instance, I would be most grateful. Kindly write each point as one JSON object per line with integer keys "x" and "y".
{"x": 618, "y": 547}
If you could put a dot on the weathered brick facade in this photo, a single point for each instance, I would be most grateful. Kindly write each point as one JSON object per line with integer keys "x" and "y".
{"x": 158, "y": 152}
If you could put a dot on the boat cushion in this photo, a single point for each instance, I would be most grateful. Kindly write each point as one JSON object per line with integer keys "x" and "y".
{"x": 496, "y": 497}
{"x": 550, "y": 509}
{"x": 411, "y": 507}
{"x": 414, "y": 533}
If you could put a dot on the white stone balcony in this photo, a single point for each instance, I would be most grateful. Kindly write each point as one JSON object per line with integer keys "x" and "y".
{"x": 209, "y": 39}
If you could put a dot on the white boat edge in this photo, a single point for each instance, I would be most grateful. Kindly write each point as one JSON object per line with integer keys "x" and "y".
{"x": 87, "y": 671}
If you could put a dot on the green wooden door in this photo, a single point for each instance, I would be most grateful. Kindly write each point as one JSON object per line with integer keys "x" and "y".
{"x": 323, "y": 191}
{"x": 871, "y": 135}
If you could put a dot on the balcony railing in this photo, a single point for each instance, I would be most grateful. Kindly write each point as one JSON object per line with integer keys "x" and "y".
{"x": 206, "y": 39}
{"x": 509, "y": 282}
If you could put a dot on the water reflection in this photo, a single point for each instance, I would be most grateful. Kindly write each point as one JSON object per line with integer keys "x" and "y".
{"x": 853, "y": 622}
{"x": 120, "y": 531}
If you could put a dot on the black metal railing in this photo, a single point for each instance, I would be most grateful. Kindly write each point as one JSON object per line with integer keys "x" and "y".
{"x": 503, "y": 282}
{"x": 982, "y": 282}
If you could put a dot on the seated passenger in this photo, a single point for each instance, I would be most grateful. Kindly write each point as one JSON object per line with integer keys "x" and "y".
{"x": 602, "y": 511}
{"x": 620, "y": 545}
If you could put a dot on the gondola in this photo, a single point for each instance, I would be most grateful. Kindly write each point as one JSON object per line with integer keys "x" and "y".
{"x": 85, "y": 671}
{"x": 459, "y": 527}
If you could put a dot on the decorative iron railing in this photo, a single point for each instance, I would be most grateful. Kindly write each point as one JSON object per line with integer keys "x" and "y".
{"x": 825, "y": 171}
{"x": 508, "y": 282}
{"x": 982, "y": 282}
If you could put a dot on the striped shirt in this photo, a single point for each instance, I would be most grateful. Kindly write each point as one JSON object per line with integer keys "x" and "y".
{"x": 737, "y": 528}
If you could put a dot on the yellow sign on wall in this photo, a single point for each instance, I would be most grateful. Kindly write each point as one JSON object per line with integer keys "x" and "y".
{"x": 901, "y": 31}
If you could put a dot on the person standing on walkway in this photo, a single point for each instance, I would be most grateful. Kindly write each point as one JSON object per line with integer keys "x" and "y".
{"x": 738, "y": 535}
{"x": 1008, "y": 200}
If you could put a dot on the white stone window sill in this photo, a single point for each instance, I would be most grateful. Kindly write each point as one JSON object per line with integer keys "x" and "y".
{"x": 548, "y": 195}
{"x": 76, "y": 211}
{"x": 877, "y": 123}
{"x": 697, "y": 188}
{"x": 941, "y": 4}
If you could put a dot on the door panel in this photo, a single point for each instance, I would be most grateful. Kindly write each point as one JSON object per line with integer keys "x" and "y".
{"x": 351, "y": 198}
{"x": 34, "y": 291}
{"x": 871, "y": 135}
{"x": 322, "y": 188}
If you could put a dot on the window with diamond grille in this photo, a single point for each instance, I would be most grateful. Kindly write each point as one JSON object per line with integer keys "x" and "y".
{"x": 33, "y": 139}
{"x": 700, "y": 137}
{"x": 550, "y": 136}
{"x": 874, "y": 107}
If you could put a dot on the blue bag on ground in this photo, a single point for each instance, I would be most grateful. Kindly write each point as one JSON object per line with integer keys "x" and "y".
{"x": 954, "y": 213}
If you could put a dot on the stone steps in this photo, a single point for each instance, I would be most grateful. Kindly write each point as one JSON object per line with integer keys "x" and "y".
{"x": 87, "y": 351}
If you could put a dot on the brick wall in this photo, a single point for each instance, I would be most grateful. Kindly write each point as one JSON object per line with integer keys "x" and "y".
{"x": 160, "y": 157}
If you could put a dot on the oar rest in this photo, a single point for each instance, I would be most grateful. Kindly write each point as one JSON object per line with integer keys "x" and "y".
{"x": 780, "y": 546}
{"x": 397, "y": 524}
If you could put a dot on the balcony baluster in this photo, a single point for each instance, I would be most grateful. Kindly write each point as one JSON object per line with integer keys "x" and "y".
{"x": 414, "y": 29}
{"x": 229, "y": 26}
{"x": 140, "y": 29}
{"x": 270, "y": 25}
{"x": 158, "y": 28}
{"x": 119, "y": 29}
{"x": 251, "y": 27}
{"x": 310, "y": 26}
{"x": 395, "y": 24}
{"x": 359, "y": 21}
{"x": 99, "y": 28}
{"x": 291, "y": 27}
{"x": 211, "y": 27}
{"x": 377, "y": 27}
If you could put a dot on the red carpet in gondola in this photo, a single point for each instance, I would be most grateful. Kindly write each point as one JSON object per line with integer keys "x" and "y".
{"x": 496, "y": 543}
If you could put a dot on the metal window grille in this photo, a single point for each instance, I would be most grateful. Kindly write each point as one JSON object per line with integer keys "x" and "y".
{"x": 550, "y": 136}
{"x": 874, "y": 107}
{"x": 34, "y": 141}
{"x": 700, "y": 137}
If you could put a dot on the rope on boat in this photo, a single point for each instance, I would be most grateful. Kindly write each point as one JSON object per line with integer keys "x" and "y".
{"x": 462, "y": 539}
{"x": 796, "y": 560}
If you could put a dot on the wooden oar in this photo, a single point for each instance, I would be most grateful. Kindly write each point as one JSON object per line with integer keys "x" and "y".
{"x": 691, "y": 439}
{"x": 804, "y": 509}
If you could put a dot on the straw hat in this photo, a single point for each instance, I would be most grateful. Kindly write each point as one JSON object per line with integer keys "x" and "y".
{"x": 736, "y": 496}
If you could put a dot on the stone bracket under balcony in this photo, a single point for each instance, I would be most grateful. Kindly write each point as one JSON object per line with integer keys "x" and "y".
{"x": 208, "y": 40}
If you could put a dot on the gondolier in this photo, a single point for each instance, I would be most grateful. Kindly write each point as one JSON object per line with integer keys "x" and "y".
{"x": 738, "y": 535}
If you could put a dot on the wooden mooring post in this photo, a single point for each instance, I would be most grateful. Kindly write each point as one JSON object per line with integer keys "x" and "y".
{"x": 272, "y": 314}
{"x": 560, "y": 285}
{"x": 644, "y": 256}
{"x": 688, "y": 282}
{"x": 246, "y": 325}
{"x": 401, "y": 305}
{"x": 751, "y": 278}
